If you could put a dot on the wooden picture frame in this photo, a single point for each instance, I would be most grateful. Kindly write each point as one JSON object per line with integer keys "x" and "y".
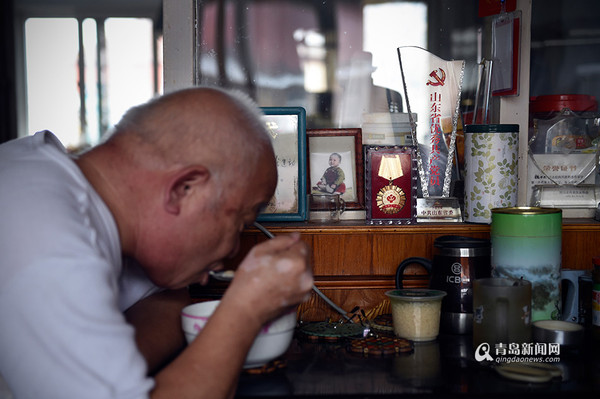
{"x": 344, "y": 145}
{"x": 287, "y": 128}
{"x": 390, "y": 201}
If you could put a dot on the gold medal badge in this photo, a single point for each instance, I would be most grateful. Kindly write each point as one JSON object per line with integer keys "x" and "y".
{"x": 391, "y": 198}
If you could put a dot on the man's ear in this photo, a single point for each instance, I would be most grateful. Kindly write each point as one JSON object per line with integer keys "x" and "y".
{"x": 181, "y": 185}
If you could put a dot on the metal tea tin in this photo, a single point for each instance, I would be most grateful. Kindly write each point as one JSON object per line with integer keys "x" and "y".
{"x": 491, "y": 160}
{"x": 526, "y": 244}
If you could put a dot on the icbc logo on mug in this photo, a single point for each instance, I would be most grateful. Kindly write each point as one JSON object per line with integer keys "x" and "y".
{"x": 456, "y": 269}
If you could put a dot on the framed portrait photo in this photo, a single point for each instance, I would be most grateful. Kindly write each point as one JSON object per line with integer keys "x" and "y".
{"x": 287, "y": 128}
{"x": 390, "y": 185}
{"x": 335, "y": 164}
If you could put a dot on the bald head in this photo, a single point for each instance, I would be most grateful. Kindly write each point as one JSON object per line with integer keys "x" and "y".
{"x": 223, "y": 129}
{"x": 182, "y": 175}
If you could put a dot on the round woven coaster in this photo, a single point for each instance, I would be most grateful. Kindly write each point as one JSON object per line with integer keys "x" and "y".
{"x": 380, "y": 346}
{"x": 331, "y": 331}
{"x": 383, "y": 322}
{"x": 267, "y": 368}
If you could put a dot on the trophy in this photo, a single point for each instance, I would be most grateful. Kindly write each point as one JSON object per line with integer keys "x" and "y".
{"x": 432, "y": 88}
{"x": 563, "y": 153}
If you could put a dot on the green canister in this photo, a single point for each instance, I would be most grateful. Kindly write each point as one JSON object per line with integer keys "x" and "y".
{"x": 527, "y": 244}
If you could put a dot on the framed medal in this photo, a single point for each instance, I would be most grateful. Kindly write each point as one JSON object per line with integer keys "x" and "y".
{"x": 390, "y": 184}
{"x": 287, "y": 128}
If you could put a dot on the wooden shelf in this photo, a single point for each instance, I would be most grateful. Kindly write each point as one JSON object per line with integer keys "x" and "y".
{"x": 345, "y": 226}
{"x": 580, "y": 238}
{"x": 351, "y": 226}
{"x": 355, "y": 263}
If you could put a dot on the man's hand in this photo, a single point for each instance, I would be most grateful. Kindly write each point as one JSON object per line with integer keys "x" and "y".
{"x": 274, "y": 277}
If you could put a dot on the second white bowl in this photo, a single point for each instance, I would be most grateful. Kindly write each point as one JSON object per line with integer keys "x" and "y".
{"x": 272, "y": 341}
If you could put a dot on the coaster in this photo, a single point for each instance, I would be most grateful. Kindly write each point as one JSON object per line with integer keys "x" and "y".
{"x": 380, "y": 346}
{"x": 383, "y": 322}
{"x": 268, "y": 367}
{"x": 331, "y": 331}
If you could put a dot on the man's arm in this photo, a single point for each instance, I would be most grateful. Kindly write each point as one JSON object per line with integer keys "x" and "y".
{"x": 274, "y": 277}
{"x": 221, "y": 348}
{"x": 157, "y": 324}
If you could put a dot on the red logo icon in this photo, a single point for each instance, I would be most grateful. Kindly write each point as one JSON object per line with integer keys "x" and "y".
{"x": 438, "y": 79}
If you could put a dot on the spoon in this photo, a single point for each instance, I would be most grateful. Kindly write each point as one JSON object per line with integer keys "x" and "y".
{"x": 227, "y": 275}
{"x": 222, "y": 275}
{"x": 314, "y": 287}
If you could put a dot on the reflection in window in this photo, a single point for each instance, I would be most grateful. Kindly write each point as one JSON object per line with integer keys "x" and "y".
{"x": 312, "y": 53}
{"x": 337, "y": 59}
{"x": 320, "y": 56}
{"x": 388, "y": 26}
{"x": 82, "y": 75}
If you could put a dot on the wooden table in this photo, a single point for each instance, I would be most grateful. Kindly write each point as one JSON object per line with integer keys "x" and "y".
{"x": 443, "y": 368}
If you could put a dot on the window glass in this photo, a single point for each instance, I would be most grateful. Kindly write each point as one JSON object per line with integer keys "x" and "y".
{"x": 565, "y": 47}
{"x": 51, "y": 51}
{"x": 91, "y": 125}
{"x": 338, "y": 60}
{"x": 129, "y": 64}
{"x": 388, "y": 26}
{"x": 118, "y": 70}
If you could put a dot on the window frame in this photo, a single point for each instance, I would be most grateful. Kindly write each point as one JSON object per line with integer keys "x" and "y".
{"x": 79, "y": 10}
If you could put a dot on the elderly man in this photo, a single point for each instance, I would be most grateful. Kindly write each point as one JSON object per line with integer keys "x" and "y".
{"x": 170, "y": 189}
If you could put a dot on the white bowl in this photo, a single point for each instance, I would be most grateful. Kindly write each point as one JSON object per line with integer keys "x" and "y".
{"x": 272, "y": 340}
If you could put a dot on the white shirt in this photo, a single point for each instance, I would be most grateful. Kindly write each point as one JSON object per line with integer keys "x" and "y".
{"x": 63, "y": 288}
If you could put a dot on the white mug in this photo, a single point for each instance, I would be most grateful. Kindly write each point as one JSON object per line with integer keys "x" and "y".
{"x": 570, "y": 282}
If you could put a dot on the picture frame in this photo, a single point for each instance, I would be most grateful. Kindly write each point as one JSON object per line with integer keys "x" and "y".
{"x": 287, "y": 128}
{"x": 346, "y": 145}
{"x": 390, "y": 185}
